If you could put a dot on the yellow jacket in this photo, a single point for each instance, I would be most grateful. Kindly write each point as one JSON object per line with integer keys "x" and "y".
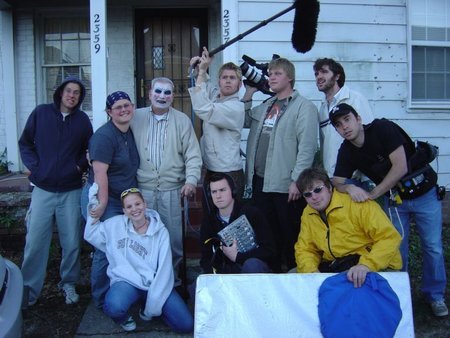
{"x": 361, "y": 228}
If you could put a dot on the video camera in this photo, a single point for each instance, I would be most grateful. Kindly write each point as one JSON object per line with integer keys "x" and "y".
{"x": 256, "y": 73}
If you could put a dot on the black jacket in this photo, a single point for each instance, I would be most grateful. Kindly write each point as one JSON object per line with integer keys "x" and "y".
{"x": 212, "y": 224}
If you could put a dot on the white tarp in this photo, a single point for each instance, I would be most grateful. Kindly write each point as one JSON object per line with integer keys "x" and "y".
{"x": 274, "y": 305}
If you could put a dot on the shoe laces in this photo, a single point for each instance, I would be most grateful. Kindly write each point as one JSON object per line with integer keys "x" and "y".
{"x": 439, "y": 303}
{"x": 69, "y": 290}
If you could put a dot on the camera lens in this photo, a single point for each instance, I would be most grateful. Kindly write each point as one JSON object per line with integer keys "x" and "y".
{"x": 251, "y": 73}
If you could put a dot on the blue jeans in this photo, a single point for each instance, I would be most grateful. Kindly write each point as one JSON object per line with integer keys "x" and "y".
{"x": 99, "y": 278}
{"x": 251, "y": 265}
{"x": 427, "y": 211}
{"x": 121, "y": 296}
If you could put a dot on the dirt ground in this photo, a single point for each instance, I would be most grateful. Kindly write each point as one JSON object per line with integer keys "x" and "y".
{"x": 51, "y": 317}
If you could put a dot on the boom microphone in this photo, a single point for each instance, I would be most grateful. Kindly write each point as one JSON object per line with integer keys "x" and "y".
{"x": 305, "y": 24}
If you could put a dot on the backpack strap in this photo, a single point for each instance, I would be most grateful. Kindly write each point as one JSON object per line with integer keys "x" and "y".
{"x": 410, "y": 147}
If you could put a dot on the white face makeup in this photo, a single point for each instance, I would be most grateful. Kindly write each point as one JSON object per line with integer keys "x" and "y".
{"x": 161, "y": 96}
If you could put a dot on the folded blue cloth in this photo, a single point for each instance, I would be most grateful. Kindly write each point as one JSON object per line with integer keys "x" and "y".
{"x": 371, "y": 311}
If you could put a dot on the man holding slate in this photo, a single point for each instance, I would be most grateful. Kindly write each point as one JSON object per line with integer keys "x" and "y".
{"x": 220, "y": 258}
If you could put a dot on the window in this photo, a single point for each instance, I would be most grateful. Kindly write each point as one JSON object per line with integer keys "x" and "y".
{"x": 67, "y": 53}
{"x": 430, "y": 53}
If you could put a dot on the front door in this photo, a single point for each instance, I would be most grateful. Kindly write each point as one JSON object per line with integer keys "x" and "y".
{"x": 166, "y": 39}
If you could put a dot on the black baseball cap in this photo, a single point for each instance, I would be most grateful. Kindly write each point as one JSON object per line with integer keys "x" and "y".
{"x": 341, "y": 110}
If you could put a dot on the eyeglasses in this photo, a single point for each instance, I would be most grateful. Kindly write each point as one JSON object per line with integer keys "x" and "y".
{"x": 119, "y": 108}
{"x": 129, "y": 191}
{"x": 308, "y": 194}
{"x": 166, "y": 92}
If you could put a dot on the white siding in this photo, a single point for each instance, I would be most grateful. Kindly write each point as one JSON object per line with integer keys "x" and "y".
{"x": 2, "y": 99}
{"x": 369, "y": 38}
{"x": 25, "y": 67}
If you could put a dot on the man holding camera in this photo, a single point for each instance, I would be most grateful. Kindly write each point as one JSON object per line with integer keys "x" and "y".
{"x": 381, "y": 151}
{"x": 223, "y": 116}
{"x": 339, "y": 234}
{"x": 282, "y": 143}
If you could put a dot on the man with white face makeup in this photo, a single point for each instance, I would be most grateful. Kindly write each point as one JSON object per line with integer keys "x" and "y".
{"x": 170, "y": 160}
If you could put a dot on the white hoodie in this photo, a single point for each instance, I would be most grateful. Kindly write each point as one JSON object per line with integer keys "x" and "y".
{"x": 142, "y": 260}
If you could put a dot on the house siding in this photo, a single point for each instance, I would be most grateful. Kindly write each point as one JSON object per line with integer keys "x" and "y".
{"x": 370, "y": 40}
{"x": 25, "y": 74}
{"x": 368, "y": 37}
{"x": 2, "y": 97}
{"x": 25, "y": 66}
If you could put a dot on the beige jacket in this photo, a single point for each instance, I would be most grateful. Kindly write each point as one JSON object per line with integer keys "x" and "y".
{"x": 181, "y": 162}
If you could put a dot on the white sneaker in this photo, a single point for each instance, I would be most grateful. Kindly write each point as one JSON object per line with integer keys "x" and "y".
{"x": 129, "y": 324}
{"x": 70, "y": 293}
{"x": 439, "y": 308}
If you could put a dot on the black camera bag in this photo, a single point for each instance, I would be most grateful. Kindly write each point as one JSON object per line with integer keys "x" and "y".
{"x": 420, "y": 177}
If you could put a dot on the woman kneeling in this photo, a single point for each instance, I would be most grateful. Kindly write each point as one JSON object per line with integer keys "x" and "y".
{"x": 137, "y": 247}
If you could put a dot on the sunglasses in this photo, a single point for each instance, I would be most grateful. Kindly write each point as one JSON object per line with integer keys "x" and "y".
{"x": 308, "y": 194}
{"x": 129, "y": 191}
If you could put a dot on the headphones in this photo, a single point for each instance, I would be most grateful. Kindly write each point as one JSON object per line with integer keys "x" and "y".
{"x": 218, "y": 177}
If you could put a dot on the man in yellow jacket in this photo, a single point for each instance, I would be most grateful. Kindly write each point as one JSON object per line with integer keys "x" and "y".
{"x": 339, "y": 234}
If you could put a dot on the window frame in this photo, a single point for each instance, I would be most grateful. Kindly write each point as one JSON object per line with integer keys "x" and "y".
{"x": 422, "y": 105}
{"x": 40, "y": 18}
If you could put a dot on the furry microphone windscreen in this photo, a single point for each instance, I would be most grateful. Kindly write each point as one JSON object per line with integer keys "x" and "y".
{"x": 305, "y": 24}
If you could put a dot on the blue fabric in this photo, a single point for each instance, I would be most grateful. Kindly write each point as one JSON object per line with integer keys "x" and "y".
{"x": 52, "y": 147}
{"x": 427, "y": 211}
{"x": 99, "y": 278}
{"x": 121, "y": 296}
{"x": 116, "y": 96}
{"x": 251, "y": 265}
{"x": 371, "y": 311}
{"x": 109, "y": 145}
